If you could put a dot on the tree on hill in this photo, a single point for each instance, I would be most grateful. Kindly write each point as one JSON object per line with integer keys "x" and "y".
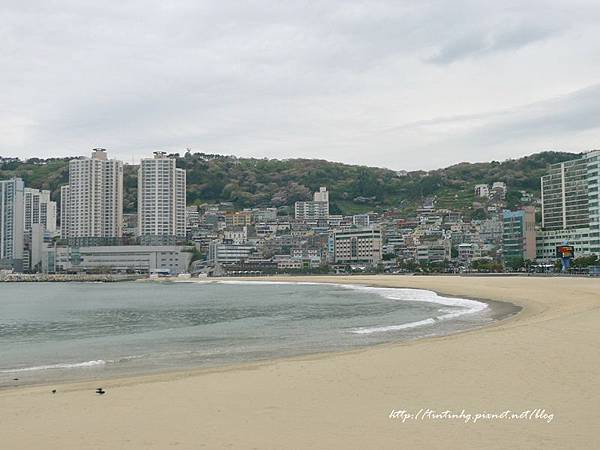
{"x": 264, "y": 182}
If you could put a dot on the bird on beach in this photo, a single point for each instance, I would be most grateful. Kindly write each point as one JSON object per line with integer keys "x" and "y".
{"x": 54, "y": 391}
{"x": 100, "y": 391}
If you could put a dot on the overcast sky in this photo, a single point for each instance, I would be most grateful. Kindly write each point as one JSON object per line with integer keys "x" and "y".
{"x": 398, "y": 84}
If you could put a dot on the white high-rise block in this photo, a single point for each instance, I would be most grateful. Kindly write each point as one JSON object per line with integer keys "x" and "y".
{"x": 11, "y": 223}
{"x": 39, "y": 209}
{"x": 161, "y": 197}
{"x": 92, "y": 204}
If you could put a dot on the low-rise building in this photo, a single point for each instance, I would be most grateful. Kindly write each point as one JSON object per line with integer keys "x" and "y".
{"x": 312, "y": 211}
{"x": 238, "y": 218}
{"x": 229, "y": 253}
{"x": 143, "y": 259}
{"x": 264, "y": 215}
{"x": 361, "y": 220}
{"x": 236, "y": 235}
{"x": 482, "y": 190}
{"x": 357, "y": 246}
{"x": 498, "y": 190}
{"x": 548, "y": 240}
{"x": 315, "y": 210}
{"x": 466, "y": 252}
{"x": 434, "y": 251}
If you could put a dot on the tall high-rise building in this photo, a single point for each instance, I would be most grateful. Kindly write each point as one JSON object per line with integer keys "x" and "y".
{"x": 161, "y": 199}
{"x": 39, "y": 209}
{"x": 570, "y": 200}
{"x": 565, "y": 196}
{"x": 11, "y": 224}
{"x": 65, "y": 207}
{"x": 39, "y": 223}
{"x": 92, "y": 203}
{"x": 593, "y": 181}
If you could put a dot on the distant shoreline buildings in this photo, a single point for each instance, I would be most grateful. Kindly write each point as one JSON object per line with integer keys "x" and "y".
{"x": 92, "y": 222}
{"x": 166, "y": 236}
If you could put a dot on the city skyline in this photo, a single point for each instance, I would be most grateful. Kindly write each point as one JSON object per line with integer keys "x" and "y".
{"x": 353, "y": 82}
{"x": 490, "y": 237}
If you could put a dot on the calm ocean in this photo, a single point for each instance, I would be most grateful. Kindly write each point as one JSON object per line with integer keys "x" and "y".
{"x": 66, "y": 331}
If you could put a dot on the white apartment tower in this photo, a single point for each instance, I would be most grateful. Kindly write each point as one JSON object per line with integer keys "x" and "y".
{"x": 92, "y": 203}
{"x": 11, "y": 224}
{"x": 38, "y": 209}
{"x": 161, "y": 197}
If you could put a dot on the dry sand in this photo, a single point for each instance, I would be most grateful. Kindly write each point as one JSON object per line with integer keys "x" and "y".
{"x": 546, "y": 357}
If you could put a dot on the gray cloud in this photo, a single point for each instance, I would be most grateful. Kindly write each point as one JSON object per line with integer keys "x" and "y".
{"x": 575, "y": 112}
{"x": 330, "y": 79}
{"x": 481, "y": 42}
{"x": 558, "y": 123}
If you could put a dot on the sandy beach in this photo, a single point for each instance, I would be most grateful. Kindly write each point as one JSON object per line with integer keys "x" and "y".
{"x": 546, "y": 360}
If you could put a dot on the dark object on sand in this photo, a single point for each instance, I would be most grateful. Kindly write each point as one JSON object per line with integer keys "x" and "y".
{"x": 54, "y": 391}
{"x": 100, "y": 391}
{"x": 15, "y": 379}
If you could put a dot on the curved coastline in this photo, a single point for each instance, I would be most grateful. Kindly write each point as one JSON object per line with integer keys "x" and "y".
{"x": 543, "y": 357}
{"x": 500, "y": 310}
{"x": 494, "y": 310}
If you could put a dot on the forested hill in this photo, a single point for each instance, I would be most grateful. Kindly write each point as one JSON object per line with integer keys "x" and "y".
{"x": 271, "y": 182}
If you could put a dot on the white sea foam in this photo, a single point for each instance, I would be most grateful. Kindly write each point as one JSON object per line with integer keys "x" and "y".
{"x": 98, "y": 362}
{"x": 309, "y": 283}
{"x": 420, "y": 295}
{"x": 413, "y": 295}
{"x": 126, "y": 359}
{"x": 403, "y": 326}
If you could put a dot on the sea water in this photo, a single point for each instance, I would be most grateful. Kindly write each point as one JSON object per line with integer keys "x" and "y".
{"x": 53, "y": 332}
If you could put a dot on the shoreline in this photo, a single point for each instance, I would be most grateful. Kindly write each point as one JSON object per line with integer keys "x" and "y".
{"x": 115, "y": 278}
{"x": 500, "y": 311}
{"x": 545, "y": 356}
{"x": 64, "y": 278}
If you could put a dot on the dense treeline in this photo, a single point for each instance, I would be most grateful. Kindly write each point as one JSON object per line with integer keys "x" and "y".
{"x": 270, "y": 182}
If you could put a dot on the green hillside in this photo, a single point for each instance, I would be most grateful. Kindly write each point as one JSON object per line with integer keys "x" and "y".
{"x": 270, "y": 182}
